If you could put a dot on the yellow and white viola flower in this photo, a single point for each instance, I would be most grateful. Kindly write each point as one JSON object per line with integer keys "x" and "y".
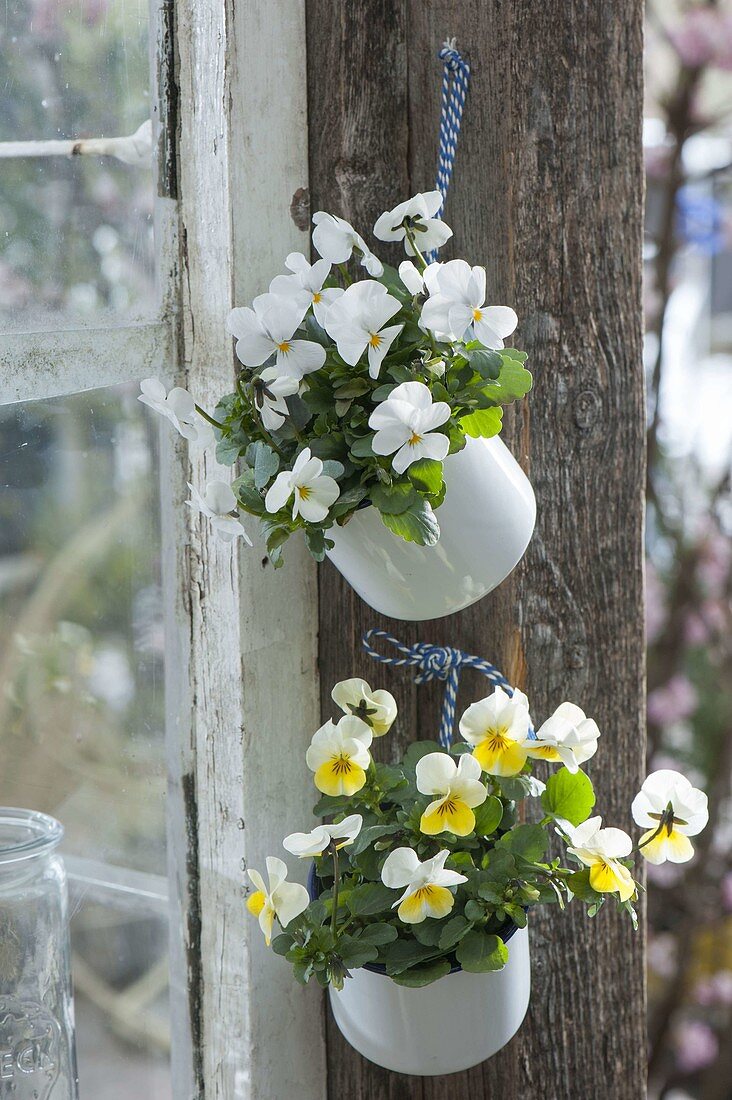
{"x": 339, "y": 756}
{"x": 671, "y": 811}
{"x": 497, "y": 728}
{"x": 426, "y": 893}
{"x": 600, "y": 850}
{"x": 281, "y": 899}
{"x": 459, "y": 791}
{"x": 314, "y": 843}
{"x": 377, "y": 709}
{"x": 569, "y": 737}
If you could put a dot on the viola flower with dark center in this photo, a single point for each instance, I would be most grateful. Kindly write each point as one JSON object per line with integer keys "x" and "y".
{"x": 377, "y": 709}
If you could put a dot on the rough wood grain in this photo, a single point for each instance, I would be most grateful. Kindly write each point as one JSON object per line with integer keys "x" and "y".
{"x": 547, "y": 194}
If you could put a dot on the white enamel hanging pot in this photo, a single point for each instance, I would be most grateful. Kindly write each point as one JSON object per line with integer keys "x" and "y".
{"x": 456, "y": 1022}
{"x": 486, "y": 521}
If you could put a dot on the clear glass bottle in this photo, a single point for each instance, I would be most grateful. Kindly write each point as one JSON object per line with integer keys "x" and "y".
{"x": 37, "y": 1056}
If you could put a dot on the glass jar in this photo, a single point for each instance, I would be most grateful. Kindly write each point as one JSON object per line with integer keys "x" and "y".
{"x": 37, "y": 1056}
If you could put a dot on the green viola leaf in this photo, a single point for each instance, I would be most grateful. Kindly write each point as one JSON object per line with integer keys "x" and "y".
{"x": 378, "y": 934}
{"x": 417, "y": 524}
{"x": 516, "y": 787}
{"x": 488, "y": 816}
{"x": 579, "y": 884}
{"x": 453, "y": 931}
{"x": 426, "y": 475}
{"x": 569, "y": 796}
{"x": 483, "y": 423}
{"x": 368, "y": 835}
{"x": 317, "y": 543}
{"x": 428, "y": 932}
{"x": 333, "y": 468}
{"x": 264, "y": 461}
{"x": 355, "y": 952}
{"x": 229, "y": 448}
{"x": 513, "y": 382}
{"x": 485, "y": 362}
{"x": 369, "y": 899}
{"x": 527, "y": 841}
{"x": 350, "y": 388}
{"x": 394, "y": 499}
{"x": 479, "y": 953}
{"x": 417, "y": 750}
{"x": 402, "y": 954}
{"x": 425, "y": 974}
{"x": 282, "y": 944}
{"x": 361, "y": 448}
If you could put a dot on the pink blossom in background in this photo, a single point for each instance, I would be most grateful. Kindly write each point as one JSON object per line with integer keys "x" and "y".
{"x": 704, "y": 37}
{"x": 716, "y": 990}
{"x": 696, "y": 1046}
{"x": 657, "y": 160}
{"x": 664, "y": 875}
{"x": 673, "y": 702}
{"x": 696, "y": 631}
{"x": 662, "y": 952}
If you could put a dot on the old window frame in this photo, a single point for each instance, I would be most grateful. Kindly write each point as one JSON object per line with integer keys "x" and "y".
{"x": 230, "y": 134}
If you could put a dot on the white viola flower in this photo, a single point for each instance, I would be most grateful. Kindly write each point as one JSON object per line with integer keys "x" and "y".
{"x": 281, "y": 899}
{"x": 313, "y": 491}
{"x": 418, "y": 213}
{"x": 218, "y": 504}
{"x": 270, "y": 390}
{"x": 569, "y": 737}
{"x": 306, "y": 284}
{"x": 668, "y": 802}
{"x": 600, "y": 850}
{"x": 338, "y": 755}
{"x": 458, "y": 789}
{"x": 268, "y": 329}
{"x": 356, "y": 322}
{"x": 411, "y": 277}
{"x": 377, "y": 709}
{"x": 456, "y": 306}
{"x": 496, "y": 727}
{"x": 404, "y": 423}
{"x": 175, "y": 405}
{"x": 335, "y": 239}
{"x": 205, "y": 437}
{"x": 314, "y": 843}
{"x": 426, "y": 893}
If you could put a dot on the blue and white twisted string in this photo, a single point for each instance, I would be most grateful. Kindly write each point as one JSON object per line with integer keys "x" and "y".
{"x": 455, "y": 80}
{"x": 437, "y": 663}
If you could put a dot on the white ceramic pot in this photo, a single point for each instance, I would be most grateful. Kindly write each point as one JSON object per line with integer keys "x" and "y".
{"x": 451, "y": 1025}
{"x": 486, "y": 521}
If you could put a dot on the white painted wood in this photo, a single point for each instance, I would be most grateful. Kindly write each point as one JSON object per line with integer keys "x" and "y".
{"x": 135, "y": 149}
{"x": 245, "y": 698}
{"x": 54, "y": 362}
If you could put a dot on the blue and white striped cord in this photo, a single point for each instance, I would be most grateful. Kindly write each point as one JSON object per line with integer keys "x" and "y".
{"x": 437, "y": 663}
{"x": 455, "y": 80}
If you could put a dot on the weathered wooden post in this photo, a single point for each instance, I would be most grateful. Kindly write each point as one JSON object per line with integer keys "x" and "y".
{"x": 548, "y": 195}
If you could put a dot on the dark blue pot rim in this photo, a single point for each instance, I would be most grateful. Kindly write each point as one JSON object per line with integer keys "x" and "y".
{"x": 379, "y": 968}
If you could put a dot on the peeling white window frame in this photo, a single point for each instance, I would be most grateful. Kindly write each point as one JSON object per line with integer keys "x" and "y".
{"x": 230, "y": 134}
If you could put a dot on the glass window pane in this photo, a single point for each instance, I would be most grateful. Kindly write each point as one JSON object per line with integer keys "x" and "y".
{"x": 75, "y": 231}
{"x": 81, "y": 707}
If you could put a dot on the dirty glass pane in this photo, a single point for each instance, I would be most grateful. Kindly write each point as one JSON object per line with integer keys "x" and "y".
{"x": 81, "y": 707}
{"x": 75, "y": 231}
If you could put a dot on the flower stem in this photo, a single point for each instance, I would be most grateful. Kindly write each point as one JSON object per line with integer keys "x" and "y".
{"x": 204, "y": 414}
{"x": 421, "y": 262}
{"x": 344, "y": 273}
{"x": 334, "y": 913}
